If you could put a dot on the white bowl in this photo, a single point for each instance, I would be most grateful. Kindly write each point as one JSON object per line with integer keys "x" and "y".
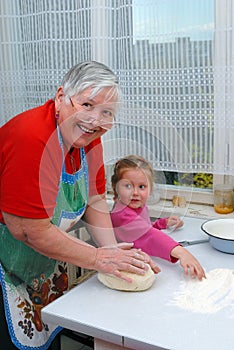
{"x": 221, "y": 234}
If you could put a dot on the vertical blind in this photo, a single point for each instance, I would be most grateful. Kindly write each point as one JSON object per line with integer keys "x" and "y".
{"x": 174, "y": 60}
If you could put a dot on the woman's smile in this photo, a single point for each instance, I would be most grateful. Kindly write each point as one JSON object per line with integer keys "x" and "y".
{"x": 86, "y": 130}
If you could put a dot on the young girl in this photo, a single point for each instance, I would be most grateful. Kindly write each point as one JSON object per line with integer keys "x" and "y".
{"x": 132, "y": 183}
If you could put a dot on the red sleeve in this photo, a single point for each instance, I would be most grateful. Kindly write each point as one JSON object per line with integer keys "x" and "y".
{"x": 29, "y": 167}
{"x": 97, "y": 180}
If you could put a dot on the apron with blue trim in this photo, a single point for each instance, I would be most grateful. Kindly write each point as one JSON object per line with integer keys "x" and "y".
{"x": 30, "y": 280}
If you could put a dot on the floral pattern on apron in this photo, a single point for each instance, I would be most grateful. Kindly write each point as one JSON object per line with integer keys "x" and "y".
{"x": 30, "y": 280}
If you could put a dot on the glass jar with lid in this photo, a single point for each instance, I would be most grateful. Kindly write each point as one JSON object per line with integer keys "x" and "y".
{"x": 223, "y": 199}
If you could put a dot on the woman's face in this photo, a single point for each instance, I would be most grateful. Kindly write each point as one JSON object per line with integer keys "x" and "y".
{"x": 134, "y": 188}
{"x": 83, "y": 119}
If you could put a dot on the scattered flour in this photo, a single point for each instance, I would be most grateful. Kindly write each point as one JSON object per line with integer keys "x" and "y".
{"x": 209, "y": 295}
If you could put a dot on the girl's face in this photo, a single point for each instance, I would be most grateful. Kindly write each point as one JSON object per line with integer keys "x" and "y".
{"x": 134, "y": 188}
{"x": 82, "y": 119}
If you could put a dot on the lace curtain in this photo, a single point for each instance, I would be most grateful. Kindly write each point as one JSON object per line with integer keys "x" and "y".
{"x": 224, "y": 88}
{"x": 177, "y": 74}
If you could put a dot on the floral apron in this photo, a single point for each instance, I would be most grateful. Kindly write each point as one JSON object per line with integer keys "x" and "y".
{"x": 30, "y": 280}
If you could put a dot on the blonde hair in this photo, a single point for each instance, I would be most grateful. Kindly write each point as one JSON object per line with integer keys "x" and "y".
{"x": 131, "y": 162}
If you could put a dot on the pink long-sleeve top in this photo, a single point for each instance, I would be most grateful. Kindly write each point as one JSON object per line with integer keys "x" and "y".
{"x": 134, "y": 225}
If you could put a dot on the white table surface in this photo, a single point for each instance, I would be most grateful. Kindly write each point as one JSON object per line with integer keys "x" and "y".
{"x": 147, "y": 320}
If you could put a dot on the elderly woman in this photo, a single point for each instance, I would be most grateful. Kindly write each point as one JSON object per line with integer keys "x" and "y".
{"x": 52, "y": 174}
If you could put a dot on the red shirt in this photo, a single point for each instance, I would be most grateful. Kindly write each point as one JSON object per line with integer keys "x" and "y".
{"x": 31, "y": 161}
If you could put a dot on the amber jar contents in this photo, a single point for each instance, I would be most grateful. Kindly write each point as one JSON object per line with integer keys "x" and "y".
{"x": 223, "y": 199}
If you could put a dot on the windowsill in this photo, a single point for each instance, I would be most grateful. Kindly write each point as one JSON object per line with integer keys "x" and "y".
{"x": 165, "y": 208}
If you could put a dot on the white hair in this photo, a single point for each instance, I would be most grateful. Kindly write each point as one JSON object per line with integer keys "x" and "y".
{"x": 91, "y": 74}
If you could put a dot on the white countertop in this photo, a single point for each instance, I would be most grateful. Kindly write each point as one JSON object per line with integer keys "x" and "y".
{"x": 146, "y": 320}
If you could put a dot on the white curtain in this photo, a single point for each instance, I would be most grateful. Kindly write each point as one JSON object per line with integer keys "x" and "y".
{"x": 178, "y": 87}
{"x": 169, "y": 86}
{"x": 40, "y": 41}
{"x": 224, "y": 88}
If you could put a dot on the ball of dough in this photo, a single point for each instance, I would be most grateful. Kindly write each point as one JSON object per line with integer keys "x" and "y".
{"x": 139, "y": 282}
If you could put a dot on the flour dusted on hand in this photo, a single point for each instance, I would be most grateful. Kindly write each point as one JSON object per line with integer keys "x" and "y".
{"x": 139, "y": 282}
{"x": 210, "y": 295}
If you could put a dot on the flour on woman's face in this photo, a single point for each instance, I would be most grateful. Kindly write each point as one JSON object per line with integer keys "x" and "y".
{"x": 210, "y": 295}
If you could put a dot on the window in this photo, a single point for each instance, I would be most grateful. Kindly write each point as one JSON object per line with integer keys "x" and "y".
{"x": 180, "y": 53}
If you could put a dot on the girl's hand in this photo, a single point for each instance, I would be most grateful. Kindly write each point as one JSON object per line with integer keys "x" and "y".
{"x": 189, "y": 263}
{"x": 114, "y": 259}
{"x": 174, "y": 221}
